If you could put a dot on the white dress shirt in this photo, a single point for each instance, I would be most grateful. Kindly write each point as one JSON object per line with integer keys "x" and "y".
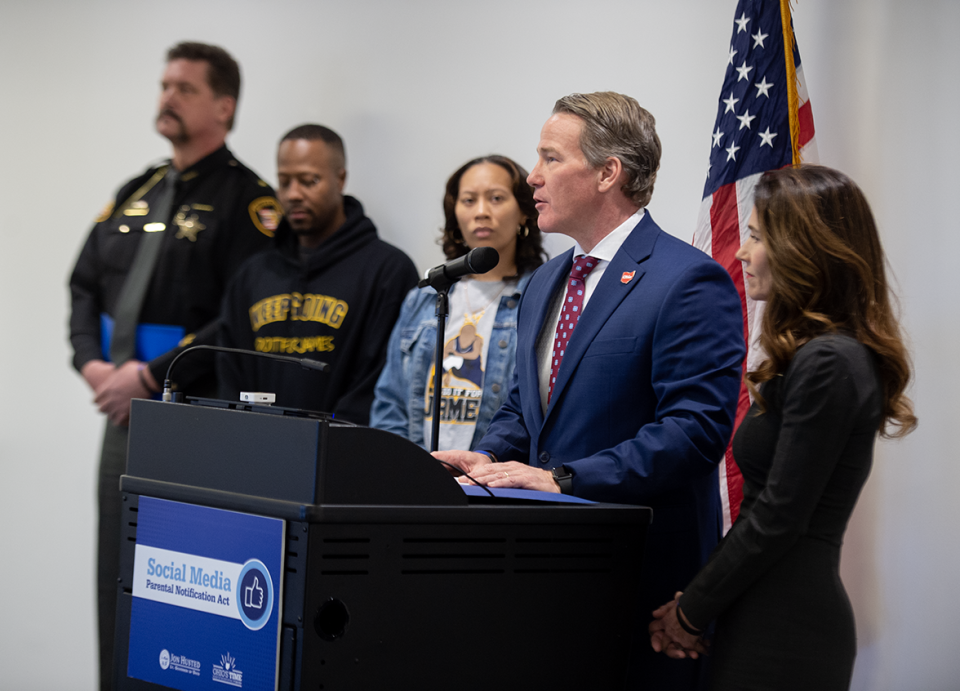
{"x": 604, "y": 252}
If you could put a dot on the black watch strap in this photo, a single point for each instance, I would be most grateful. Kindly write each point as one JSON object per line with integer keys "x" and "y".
{"x": 563, "y": 478}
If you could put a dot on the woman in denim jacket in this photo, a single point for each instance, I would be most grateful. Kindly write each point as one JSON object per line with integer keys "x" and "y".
{"x": 488, "y": 203}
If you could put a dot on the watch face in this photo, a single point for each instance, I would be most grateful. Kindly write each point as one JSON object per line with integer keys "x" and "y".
{"x": 563, "y": 478}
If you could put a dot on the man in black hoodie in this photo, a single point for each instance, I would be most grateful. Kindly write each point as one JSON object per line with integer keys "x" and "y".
{"x": 329, "y": 289}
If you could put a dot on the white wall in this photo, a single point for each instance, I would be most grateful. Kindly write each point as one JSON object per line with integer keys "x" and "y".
{"x": 416, "y": 88}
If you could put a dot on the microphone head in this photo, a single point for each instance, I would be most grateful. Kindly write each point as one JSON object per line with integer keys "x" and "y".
{"x": 482, "y": 259}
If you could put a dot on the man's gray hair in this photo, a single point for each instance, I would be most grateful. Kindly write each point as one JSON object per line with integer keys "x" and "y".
{"x": 615, "y": 125}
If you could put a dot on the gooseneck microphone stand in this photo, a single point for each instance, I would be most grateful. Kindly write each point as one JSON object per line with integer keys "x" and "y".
{"x": 443, "y": 309}
{"x": 169, "y": 395}
{"x": 477, "y": 261}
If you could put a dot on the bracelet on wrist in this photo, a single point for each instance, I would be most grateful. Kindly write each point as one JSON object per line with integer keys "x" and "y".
{"x": 685, "y": 626}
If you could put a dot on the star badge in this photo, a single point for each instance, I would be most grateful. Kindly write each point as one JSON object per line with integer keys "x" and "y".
{"x": 188, "y": 226}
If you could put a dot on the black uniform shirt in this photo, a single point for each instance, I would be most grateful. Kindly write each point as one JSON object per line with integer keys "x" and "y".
{"x": 223, "y": 213}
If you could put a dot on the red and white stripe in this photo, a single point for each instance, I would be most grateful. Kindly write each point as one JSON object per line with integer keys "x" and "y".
{"x": 721, "y": 229}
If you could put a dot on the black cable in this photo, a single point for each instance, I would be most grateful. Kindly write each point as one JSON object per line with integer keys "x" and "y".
{"x": 464, "y": 474}
{"x": 305, "y": 363}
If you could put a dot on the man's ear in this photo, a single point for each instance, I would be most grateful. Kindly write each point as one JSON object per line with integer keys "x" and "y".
{"x": 342, "y": 178}
{"x": 227, "y": 106}
{"x": 610, "y": 173}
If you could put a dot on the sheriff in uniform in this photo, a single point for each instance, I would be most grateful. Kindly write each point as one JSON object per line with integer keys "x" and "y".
{"x": 151, "y": 275}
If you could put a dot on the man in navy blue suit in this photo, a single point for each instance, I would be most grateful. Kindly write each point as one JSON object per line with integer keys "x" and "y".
{"x": 632, "y": 402}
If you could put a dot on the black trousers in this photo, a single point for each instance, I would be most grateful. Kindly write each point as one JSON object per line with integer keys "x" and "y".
{"x": 113, "y": 463}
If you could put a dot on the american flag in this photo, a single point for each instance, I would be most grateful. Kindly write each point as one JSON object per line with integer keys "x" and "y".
{"x": 764, "y": 122}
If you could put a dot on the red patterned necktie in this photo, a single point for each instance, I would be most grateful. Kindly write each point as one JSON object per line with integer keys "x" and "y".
{"x": 570, "y": 314}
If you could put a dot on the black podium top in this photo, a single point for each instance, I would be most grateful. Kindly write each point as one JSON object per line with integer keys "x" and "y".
{"x": 287, "y": 458}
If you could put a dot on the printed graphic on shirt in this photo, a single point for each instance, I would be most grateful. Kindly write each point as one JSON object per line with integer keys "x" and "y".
{"x": 307, "y": 344}
{"x": 462, "y": 379}
{"x": 306, "y": 307}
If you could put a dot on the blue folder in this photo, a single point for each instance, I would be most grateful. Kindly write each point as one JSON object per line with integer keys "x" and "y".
{"x": 153, "y": 340}
{"x": 530, "y": 494}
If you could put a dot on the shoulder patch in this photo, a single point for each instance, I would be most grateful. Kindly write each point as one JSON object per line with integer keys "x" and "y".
{"x": 262, "y": 183}
{"x": 266, "y": 212}
{"x": 105, "y": 213}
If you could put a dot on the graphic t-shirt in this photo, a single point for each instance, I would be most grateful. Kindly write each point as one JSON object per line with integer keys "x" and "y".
{"x": 473, "y": 311}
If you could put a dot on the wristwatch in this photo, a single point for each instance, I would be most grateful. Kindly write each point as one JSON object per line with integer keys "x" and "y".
{"x": 563, "y": 478}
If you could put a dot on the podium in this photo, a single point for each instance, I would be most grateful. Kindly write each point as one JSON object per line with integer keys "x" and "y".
{"x": 392, "y": 575}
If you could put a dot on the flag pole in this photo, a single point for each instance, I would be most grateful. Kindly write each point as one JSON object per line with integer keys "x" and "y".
{"x": 793, "y": 98}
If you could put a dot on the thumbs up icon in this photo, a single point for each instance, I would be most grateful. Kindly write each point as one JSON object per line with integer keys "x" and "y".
{"x": 253, "y": 595}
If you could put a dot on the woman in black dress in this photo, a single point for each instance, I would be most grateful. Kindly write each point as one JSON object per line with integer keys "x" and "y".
{"x": 834, "y": 377}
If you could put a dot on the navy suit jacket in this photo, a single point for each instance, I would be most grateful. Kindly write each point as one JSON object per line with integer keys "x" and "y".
{"x": 645, "y": 398}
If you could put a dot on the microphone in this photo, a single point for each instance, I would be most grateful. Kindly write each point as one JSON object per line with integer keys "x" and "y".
{"x": 305, "y": 363}
{"x": 477, "y": 261}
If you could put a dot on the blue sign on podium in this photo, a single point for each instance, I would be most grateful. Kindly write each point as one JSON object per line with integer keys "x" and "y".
{"x": 206, "y": 598}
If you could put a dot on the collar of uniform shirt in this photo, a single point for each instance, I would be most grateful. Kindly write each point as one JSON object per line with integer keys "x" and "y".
{"x": 605, "y": 251}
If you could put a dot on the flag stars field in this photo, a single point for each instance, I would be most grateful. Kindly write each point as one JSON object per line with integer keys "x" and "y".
{"x": 763, "y": 88}
{"x": 731, "y": 102}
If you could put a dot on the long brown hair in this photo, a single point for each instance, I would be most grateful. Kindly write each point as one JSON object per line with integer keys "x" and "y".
{"x": 827, "y": 272}
{"x": 530, "y": 252}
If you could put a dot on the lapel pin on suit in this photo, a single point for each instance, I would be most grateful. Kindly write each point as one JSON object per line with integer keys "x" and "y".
{"x": 627, "y": 276}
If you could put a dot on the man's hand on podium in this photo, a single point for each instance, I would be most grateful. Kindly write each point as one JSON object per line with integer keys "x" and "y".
{"x": 514, "y": 475}
{"x": 508, "y": 475}
{"x": 467, "y": 461}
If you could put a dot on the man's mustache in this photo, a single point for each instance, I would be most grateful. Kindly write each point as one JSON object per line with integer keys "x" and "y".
{"x": 169, "y": 113}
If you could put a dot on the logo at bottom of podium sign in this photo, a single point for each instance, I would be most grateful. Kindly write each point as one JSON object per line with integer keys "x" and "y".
{"x": 226, "y": 672}
{"x": 254, "y": 594}
{"x": 179, "y": 663}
